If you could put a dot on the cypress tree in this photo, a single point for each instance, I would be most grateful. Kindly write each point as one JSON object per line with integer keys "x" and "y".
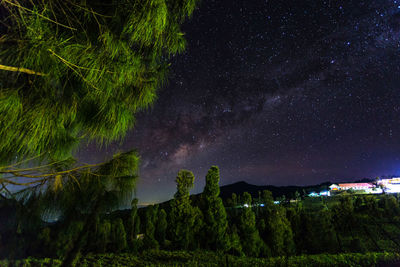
{"x": 137, "y": 226}
{"x": 215, "y": 221}
{"x": 294, "y": 215}
{"x": 235, "y": 246}
{"x": 44, "y": 239}
{"x": 249, "y": 234}
{"x": 149, "y": 240}
{"x": 197, "y": 230}
{"x": 278, "y": 233}
{"x": 161, "y": 227}
{"x": 104, "y": 237}
{"x": 182, "y": 215}
{"x": 326, "y": 232}
{"x": 131, "y": 226}
{"x": 119, "y": 235}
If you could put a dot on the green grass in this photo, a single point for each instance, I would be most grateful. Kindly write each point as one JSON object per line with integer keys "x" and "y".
{"x": 207, "y": 258}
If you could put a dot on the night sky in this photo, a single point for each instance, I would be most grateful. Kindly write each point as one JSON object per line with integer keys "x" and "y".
{"x": 274, "y": 92}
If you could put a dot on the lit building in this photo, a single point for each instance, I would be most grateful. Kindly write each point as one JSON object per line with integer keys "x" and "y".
{"x": 322, "y": 193}
{"x": 391, "y": 185}
{"x": 334, "y": 187}
{"x": 325, "y": 193}
{"x": 356, "y": 186}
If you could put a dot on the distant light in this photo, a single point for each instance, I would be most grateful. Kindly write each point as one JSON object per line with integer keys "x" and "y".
{"x": 246, "y": 205}
{"x": 261, "y": 205}
{"x": 277, "y": 202}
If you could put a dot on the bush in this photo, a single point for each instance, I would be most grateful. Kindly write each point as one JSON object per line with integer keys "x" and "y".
{"x": 208, "y": 258}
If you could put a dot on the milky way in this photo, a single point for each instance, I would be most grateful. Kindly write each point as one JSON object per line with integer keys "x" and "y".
{"x": 275, "y": 92}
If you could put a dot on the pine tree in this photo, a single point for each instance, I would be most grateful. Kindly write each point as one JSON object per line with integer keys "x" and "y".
{"x": 137, "y": 226}
{"x": 215, "y": 221}
{"x": 44, "y": 239}
{"x": 234, "y": 200}
{"x": 235, "y": 246}
{"x": 119, "y": 235}
{"x": 149, "y": 240}
{"x": 131, "y": 225}
{"x": 278, "y": 233}
{"x": 294, "y": 215}
{"x": 325, "y": 231}
{"x": 104, "y": 236}
{"x": 267, "y": 200}
{"x": 182, "y": 215}
{"x": 251, "y": 241}
{"x": 232, "y": 209}
{"x": 99, "y": 191}
{"x": 197, "y": 234}
{"x": 77, "y": 70}
{"x": 390, "y": 206}
{"x": 161, "y": 228}
{"x": 65, "y": 238}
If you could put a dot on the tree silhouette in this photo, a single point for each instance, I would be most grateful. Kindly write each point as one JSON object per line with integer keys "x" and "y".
{"x": 132, "y": 226}
{"x": 215, "y": 221}
{"x": 118, "y": 235}
{"x": 251, "y": 241}
{"x": 161, "y": 228}
{"x": 149, "y": 240}
{"x": 182, "y": 215}
{"x": 92, "y": 193}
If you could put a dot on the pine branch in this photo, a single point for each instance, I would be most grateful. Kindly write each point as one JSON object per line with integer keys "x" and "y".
{"x": 17, "y": 173}
{"x": 40, "y": 15}
{"x": 23, "y": 70}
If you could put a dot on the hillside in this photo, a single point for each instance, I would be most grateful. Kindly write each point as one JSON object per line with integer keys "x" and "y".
{"x": 277, "y": 191}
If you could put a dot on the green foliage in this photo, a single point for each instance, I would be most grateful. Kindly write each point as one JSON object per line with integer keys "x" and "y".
{"x": 133, "y": 226}
{"x": 65, "y": 238}
{"x": 343, "y": 214}
{"x": 95, "y": 64}
{"x": 182, "y": 215}
{"x": 251, "y": 241}
{"x": 235, "y": 246}
{"x": 149, "y": 240}
{"x": 390, "y": 206}
{"x": 207, "y": 258}
{"x": 119, "y": 243}
{"x": 267, "y": 199}
{"x": 93, "y": 191}
{"x": 278, "y": 233}
{"x": 335, "y": 225}
{"x": 215, "y": 220}
{"x": 198, "y": 225}
{"x": 103, "y": 236}
{"x": 234, "y": 200}
{"x": 324, "y": 229}
{"x": 161, "y": 228}
{"x": 44, "y": 239}
{"x": 317, "y": 233}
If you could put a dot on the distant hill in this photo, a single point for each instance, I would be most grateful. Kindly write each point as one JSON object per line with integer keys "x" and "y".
{"x": 277, "y": 191}
{"x": 239, "y": 188}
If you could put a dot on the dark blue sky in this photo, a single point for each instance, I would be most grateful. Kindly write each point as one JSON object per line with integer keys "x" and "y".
{"x": 275, "y": 92}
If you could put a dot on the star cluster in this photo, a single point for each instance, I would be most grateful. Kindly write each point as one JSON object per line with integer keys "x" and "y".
{"x": 275, "y": 92}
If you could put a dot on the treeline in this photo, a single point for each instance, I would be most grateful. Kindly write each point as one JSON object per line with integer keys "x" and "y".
{"x": 243, "y": 226}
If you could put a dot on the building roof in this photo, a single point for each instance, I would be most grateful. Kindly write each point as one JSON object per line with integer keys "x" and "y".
{"x": 356, "y": 185}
